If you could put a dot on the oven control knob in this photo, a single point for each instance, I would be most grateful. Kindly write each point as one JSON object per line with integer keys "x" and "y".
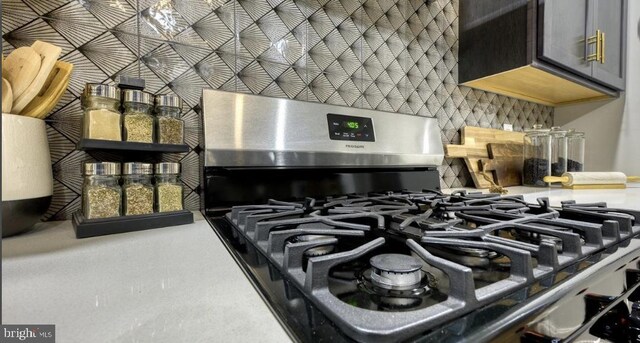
{"x": 612, "y": 325}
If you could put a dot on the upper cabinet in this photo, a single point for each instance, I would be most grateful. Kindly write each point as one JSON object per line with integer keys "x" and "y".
{"x": 547, "y": 51}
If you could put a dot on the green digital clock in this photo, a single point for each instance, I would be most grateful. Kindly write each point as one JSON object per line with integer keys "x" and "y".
{"x": 352, "y": 124}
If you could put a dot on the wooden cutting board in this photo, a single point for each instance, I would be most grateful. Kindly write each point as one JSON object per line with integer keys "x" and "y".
{"x": 474, "y": 147}
{"x": 504, "y": 163}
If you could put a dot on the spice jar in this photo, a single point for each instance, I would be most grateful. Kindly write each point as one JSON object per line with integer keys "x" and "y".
{"x": 575, "y": 151}
{"x": 137, "y": 188}
{"x": 168, "y": 187}
{"x": 170, "y": 128}
{"x": 101, "y": 118}
{"x": 101, "y": 192}
{"x": 138, "y": 121}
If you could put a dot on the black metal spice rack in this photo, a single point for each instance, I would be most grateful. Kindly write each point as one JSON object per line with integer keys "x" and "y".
{"x": 84, "y": 227}
{"x": 106, "y": 226}
{"x": 97, "y": 144}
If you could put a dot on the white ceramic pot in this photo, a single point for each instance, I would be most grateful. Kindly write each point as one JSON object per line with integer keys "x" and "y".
{"x": 27, "y": 179}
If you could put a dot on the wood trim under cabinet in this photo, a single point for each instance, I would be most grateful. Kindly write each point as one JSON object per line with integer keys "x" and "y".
{"x": 532, "y": 84}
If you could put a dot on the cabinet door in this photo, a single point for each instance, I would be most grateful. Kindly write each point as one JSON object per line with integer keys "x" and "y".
{"x": 564, "y": 27}
{"x": 610, "y": 17}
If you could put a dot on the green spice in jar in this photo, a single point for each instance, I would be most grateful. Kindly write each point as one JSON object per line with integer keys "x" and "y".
{"x": 170, "y": 126}
{"x": 138, "y": 121}
{"x": 101, "y": 193}
{"x": 137, "y": 188}
{"x": 103, "y": 202}
{"x": 169, "y": 197}
{"x": 168, "y": 187}
{"x": 138, "y": 128}
{"x": 139, "y": 199}
{"x": 170, "y": 130}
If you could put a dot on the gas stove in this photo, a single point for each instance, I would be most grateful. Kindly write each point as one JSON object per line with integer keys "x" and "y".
{"x": 342, "y": 251}
{"x": 396, "y": 266}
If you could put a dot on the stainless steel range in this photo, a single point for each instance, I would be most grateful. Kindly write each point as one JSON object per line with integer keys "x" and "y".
{"x": 336, "y": 216}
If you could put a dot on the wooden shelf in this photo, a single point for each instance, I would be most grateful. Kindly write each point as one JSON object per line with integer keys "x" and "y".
{"x": 96, "y": 144}
{"x": 106, "y": 226}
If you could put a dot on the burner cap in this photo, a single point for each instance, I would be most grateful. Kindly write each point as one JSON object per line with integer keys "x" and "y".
{"x": 396, "y": 263}
{"x": 317, "y": 251}
{"x": 395, "y": 271}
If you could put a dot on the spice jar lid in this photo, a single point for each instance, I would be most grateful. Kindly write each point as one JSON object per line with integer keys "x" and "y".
{"x": 133, "y": 95}
{"x": 102, "y": 168}
{"x": 137, "y": 168}
{"x": 537, "y": 130}
{"x": 167, "y": 168}
{"x": 169, "y": 100}
{"x": 99, "y": 89}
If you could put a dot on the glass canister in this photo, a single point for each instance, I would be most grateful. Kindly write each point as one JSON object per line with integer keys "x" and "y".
{"x": 168, "y": 187}
{"x": 575, "y": 151}
{"x": 537, "y": 156}
{"x": 101, "y": 119}
{"x": 170, "y": 128}
{"x": 137, "y": 121}
{"x": 101, "y": 193}
{"x": 137, "y": 188}
{"x": 558, "y": 151}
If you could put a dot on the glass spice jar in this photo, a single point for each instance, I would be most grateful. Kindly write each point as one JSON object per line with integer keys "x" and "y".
{"x": 101, "y": 193}
{"x": 137, "y": 121}
{"x": 170, "y": 128}
{"x": 137, "y": 188}
{"x": 168, "y": 187}
{"x": 101, "y": 119}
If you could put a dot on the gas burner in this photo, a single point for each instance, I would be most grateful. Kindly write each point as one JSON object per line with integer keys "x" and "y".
{"x": 317, "y": 251}
{"x": 395, "y": 271}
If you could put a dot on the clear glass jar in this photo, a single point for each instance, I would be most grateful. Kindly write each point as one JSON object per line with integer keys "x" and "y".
{"x": 537, "y": 156}
{"x": 137, "y": 188}
{"x": 137, "y": 122}
{"x": 168, "y": 187}
{"x": 101, "y": 119}
{"x": 101, "y": 193}
{"x": 170, "y": 128}
{"x": 558, "y": 151}
{"x": 575, "y": 151}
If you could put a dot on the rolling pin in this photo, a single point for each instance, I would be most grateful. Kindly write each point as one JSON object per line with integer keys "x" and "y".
{"x": 591, "y": 180}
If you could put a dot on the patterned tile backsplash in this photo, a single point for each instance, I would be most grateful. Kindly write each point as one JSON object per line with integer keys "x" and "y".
{"x": 397, "y": 56}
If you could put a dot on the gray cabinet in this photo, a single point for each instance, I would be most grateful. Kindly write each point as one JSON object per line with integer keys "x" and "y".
{"x": 551, "y": 52}
{"x": 585, "y": 37}
{"x": 610, "y": 18}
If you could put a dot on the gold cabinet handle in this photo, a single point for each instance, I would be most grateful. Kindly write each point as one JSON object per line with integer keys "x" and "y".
{"x": 602, "y": 45}
{"x": 594, "y": 40}
{"x": 597, "y": 40}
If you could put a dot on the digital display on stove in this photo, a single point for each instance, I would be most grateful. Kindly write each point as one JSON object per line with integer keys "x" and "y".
{"x": 350, "y": 128}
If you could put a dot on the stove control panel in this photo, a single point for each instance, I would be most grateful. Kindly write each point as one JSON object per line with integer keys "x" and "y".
{"x": 350, "y": 128}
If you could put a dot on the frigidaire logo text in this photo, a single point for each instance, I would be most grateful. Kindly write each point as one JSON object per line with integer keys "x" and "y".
{"x": 354, "y": 146}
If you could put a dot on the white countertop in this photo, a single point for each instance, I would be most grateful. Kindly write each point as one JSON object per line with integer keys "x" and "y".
{"x": 176, "y": 284}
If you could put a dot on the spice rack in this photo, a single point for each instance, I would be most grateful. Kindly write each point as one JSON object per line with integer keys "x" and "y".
{"x": 85, "y": 228}
{"x": 129, "y": 150}
{"x": 97, "y": 144}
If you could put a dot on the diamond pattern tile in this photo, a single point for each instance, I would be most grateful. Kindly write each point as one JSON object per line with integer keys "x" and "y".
{"x": 397, "y": 56}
